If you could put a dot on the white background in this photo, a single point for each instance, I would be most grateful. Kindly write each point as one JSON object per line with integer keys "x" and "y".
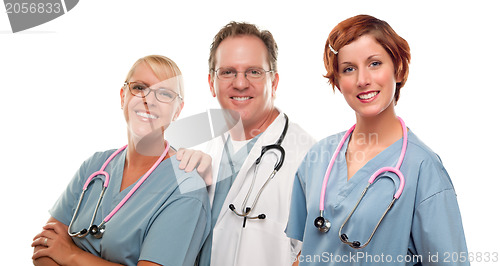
{"x": 60, "y": 86}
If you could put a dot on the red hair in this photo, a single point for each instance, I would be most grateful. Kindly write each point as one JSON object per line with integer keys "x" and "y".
{"x": 351, "y": 29}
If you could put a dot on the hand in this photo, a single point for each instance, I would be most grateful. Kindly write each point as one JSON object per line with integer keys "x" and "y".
{"x": 54, "y": 242}
{"x": 193, "y": 159}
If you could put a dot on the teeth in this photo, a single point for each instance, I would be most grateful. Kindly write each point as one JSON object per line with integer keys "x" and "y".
{"x": 146, "y": 115}
{"x": 240, "y": 98}
{"x": 368, "y": 95}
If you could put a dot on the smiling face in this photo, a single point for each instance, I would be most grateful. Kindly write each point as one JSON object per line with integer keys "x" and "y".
{"x": 367, "y": 77}
{"x": 253, "y": 100}
{"x": 147, "y": 115}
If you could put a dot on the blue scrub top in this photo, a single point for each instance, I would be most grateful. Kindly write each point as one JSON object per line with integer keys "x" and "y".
{"x": 424, "y": 225}
{"x": 166, "y": 220}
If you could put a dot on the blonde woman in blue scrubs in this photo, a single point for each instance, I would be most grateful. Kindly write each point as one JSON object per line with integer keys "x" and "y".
{"x": 368, "y": 63}
{"x": 166, "y": 220}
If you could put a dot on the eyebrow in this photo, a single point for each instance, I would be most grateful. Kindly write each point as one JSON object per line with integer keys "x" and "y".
{"x": 149, "y": 85}
{"x": 367, "y": 59}
{"x": 139, "y": 81}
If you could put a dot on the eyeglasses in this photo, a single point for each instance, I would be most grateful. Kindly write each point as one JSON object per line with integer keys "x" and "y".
{"x": 142, "y": 90}
{"x": 252, "y": 74}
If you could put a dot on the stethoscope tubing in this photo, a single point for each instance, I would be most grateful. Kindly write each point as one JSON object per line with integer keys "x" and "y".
{"x": 324, "y": 225}
{"x": 279, "y": 163}
{"x": 329, "y": 170}
{"x": 376, "y": 174}
{"x": 137, "y": 185}
{"x": 101, "y": 171}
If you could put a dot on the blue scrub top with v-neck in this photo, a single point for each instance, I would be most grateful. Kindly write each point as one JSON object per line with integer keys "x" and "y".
{"x": 423, "y": 226}
{"x": 166, "y": 220}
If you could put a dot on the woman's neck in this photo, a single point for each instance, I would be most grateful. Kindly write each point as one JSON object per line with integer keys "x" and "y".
{"x": 378, "y": 131}
{"x": 145, "y": 151}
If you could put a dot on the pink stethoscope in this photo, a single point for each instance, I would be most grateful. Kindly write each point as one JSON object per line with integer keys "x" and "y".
{"x": 324, "y": 225}
{"x": 98, "y": 230}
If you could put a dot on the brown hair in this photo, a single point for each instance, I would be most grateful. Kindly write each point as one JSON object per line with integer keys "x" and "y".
{"x": 351, "y": 29}
{"x": 233, "y": 29}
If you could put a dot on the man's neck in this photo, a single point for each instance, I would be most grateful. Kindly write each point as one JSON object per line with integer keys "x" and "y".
{"x": 246, "y": 131}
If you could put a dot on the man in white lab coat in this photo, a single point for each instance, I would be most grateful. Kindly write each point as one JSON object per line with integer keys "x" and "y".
{"x": 243, "y": 76}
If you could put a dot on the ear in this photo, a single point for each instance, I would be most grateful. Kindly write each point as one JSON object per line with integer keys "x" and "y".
{"x": 399, "y": 77}
{"x": 275, "y": 83}
{"x": 211, "y": 84}
{"x": 178, "y": 112}
{"x": 122, "y": 96}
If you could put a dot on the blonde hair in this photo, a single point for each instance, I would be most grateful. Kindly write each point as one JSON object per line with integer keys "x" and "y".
{"x": 163, "y": 68}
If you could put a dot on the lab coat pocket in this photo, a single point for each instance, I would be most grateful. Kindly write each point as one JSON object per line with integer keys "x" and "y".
{"x": 263, "y": 242}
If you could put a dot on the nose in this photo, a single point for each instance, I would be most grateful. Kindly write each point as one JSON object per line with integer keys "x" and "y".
{"x": 240, "y": 82}
{"x": 364, "y": 78}
{"x": 150, "y": 99}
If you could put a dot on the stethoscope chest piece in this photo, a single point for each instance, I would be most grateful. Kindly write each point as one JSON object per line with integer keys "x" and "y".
{"x": 97, "y": 231}
{"x": 322, "y": 224}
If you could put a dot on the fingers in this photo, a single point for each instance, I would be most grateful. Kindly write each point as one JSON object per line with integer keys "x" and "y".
{"x": 37, "y": 236}
{"x": 57, "y": 227}
{"x": 205, "y": 170}
{"x": 42, "y": 252}
{"x": 205, "y": 164}
{"x": 193, "y": 159}
{"x": 44, "y": 237}
{"x": 207, "y": 178}
{"x": 50, "y": 231}
{"x": 41, "y": 241}
{"x": 189, "y": 159}
{"x": 180, "y": 154}
{"x": 184, "y": 155}
{"x": 53, "y": 225}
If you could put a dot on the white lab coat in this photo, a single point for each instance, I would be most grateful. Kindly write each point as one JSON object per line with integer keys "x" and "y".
{"x": 261, "y": 242}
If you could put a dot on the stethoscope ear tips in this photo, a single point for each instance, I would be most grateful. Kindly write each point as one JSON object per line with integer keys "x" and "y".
{"x": 322, "y": 224}
{"x": 262, "y": 216}
{"x": 354, "y": 244}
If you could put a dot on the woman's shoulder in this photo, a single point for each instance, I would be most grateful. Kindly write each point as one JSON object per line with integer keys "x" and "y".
{"x": 95, "y": 162}
{"x": 420, "y": 150}
{"x": 100, "y": 156}
{"x": 433, "y": 176}
{"x": 188, "y": 183}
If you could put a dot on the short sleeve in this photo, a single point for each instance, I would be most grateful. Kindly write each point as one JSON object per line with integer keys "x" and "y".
{"x": 298, "y": 210}
{"x": 177, "y": 233}
{"x": 66, "y": 204}
{"x": 437, "y": 229}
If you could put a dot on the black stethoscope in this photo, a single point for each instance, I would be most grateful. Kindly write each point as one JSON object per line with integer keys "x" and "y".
{"x": 324, "y": 225}
{"x": 276, "y": 146}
